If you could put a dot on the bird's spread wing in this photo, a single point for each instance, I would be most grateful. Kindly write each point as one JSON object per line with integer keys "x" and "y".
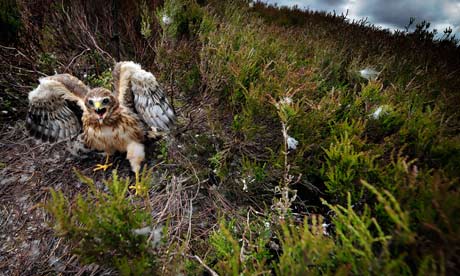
{"x": 55, "y": 108}
{"x": 140, "y": 91}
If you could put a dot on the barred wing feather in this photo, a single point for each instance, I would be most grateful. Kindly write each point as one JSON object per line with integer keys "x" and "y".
{"x": 139, "y": 89}
{"x": 55, "y": 108}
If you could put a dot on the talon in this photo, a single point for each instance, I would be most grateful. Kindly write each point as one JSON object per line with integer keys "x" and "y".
{"x": 103, "y": 167}
{"x": 137, "y": 187}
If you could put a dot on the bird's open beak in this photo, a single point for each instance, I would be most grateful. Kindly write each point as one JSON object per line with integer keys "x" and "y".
{"x": 100, "y": 111}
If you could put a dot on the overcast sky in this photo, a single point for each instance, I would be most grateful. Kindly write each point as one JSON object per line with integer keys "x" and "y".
{"x": 392, "y": 14}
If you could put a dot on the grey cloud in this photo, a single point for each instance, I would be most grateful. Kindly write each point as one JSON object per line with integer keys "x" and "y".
{"x": 389, "y": 13}
{"x": 398, "y": 13}
{"x": 333, "y": 2}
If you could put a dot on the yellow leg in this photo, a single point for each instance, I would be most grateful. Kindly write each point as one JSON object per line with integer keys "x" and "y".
{"x": 139, "y": 187}
{"x": 105, "y": 166}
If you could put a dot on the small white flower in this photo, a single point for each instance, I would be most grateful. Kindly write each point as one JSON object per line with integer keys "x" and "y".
{"x": 156, "y": 236}
{"x": 369, "y": 73}
{"x": 142, "y": 231}
{"x": 325, "y": 225}
{"x": 267, "y": 224}
{"x": 245, "y": 185}
{"x": 381, "y": 111}
{"x": 292, "y": 143}
{"x": 286, "y": 101}
{"x": 166, "y": 19}
{"x": 85, "y": 75}
{"x": 376, "y": 114}
{"x": 251, "y": 4}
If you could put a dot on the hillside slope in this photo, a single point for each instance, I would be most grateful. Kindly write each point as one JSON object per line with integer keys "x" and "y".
{"x": 305, "y": 144}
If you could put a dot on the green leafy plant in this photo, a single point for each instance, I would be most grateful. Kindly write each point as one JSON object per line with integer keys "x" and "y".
{"x": 247, "y": 254}
{"x": 306, "y": 249}
{"x": 344, "y": 168}
{"x": 106, "y": 227}
{"x": 102, "y": 80}
{"x": 359, "y": 235}
{"x": 218, "y": 163}
{"x": 180, "y": 18}
{"x": 354, "y": 242}
{"x": 146, "y": 20}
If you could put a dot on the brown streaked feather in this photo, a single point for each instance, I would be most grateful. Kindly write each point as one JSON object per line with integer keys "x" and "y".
{"x": 72, "y": 84}
{"x": 55, "y": 108}
{"x": 121, "y": 82}
{"x": 115, "y": 134}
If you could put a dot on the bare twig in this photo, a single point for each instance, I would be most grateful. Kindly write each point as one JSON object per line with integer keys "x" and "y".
{"x": 210, "y": 270}
{"x": 75, "y": 57}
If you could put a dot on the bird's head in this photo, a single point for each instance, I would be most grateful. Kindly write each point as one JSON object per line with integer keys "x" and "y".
{"x": 101, "y": 103}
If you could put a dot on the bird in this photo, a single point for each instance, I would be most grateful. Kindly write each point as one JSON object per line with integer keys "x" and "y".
{"x": 62, "y": 107}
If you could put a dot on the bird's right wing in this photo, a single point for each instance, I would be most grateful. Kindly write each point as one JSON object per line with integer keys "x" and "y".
{"x": 55, "y": 108}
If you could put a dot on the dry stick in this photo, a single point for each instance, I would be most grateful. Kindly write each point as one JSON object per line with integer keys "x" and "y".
{"x": 20, "y": 53}
{"x": 189, "y": 229}
{"x": 243, "y": 239}
{"x": 84, "y": 26}
{"x": 75, "y": 57}
{"x": 210, "y": 270}
{"x": 31, "y": 62}
{"x": 171, "y": 85}
{"x": 167, "y": 204}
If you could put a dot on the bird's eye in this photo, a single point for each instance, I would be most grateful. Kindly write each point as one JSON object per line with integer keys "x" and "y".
{"x": 90, "y": 102}
{"x": 105, "y": 101}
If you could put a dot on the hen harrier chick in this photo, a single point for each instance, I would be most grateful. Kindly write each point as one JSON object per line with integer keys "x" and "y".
{"x": 110, "y": 121}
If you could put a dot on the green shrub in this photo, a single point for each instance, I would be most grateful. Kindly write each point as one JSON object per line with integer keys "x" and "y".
{"x": 180, "y": 18}
{"x": 146, "y": 20}
{"x": 247, "y": 254}
{"x": 362, "y": 244}
{"x": 103, "y": 80}
{"x": 345, "y": 167}
{"x": 306, "y": 249}
{"x": 48, "y": 62}
{"x": 353, "y": 243}
{"x": 106, "y": 227}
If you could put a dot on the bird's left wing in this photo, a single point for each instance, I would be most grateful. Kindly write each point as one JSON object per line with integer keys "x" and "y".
{"x": 140, "y": 91}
